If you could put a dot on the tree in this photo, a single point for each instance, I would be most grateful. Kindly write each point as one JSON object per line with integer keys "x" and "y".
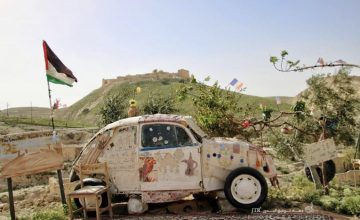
{"x": 216, "y": 109}
{"x": 115, "y": 106}
{"x": 285, "y": 65}
{"x": 326, "y": 109}
{"x": 156, "y": 103}
{"x": 333, "y": 112}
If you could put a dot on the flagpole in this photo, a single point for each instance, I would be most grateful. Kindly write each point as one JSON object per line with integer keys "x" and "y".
{"x": 50, "y": 60}
{"x": 51, "y": 107}
{"x": 61, "y": 183}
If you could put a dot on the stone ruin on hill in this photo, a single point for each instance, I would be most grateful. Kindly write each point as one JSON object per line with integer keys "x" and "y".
{"x": 155, "y": 75}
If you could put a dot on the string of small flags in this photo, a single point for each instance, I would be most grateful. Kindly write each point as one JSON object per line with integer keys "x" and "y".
{"x": 239, "y": 86}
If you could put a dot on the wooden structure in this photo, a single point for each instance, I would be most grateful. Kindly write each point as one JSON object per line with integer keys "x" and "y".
{"x": 30, "y": 153}
{"x": 92, "y": 192}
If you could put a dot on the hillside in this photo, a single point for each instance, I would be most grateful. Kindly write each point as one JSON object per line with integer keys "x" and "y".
{"x": 35, "y": 112}
{"x": 86, "y": 109}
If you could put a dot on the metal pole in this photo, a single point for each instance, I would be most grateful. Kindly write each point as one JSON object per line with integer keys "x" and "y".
{"x": 61, "y": 186}
{"x": 59, "y": 174}
{"x": 7, "y": 109}
{"x": 51, "y": 107}
{"x": 31, "y": 113}
{"x": 11, "y": 198}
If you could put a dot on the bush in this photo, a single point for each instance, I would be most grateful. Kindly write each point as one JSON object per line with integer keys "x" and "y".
{"x": 47, "y": 214}
{"x": 350, "y": 205}
{"x": 341, "y": 199}
{"x": 157, "y": 103}
{"x": 329, "y": 203}
{"x": 85, "y": 111}
{"x": 115, "y": 107}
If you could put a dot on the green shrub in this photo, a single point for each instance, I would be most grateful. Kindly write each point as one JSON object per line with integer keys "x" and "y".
{"x": 329, "y": 203}
{"x": 350, "y": 205}
{"x": 157, "y": 103}
{"x": 56, "y": 213}
{"x": 347, "y": 192}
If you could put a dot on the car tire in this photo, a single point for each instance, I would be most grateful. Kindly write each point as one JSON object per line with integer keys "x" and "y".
{"x": 330, "y": 167}
{"x": 93, "y": 182}
{"x": 245, "y": 188}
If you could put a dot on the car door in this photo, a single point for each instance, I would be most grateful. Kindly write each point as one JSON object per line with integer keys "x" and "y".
{"x": 121, "y": 154}
{"x": 169, "y": 158}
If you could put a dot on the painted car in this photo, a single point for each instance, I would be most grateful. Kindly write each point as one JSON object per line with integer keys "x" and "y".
{"x": 164, "y": 158}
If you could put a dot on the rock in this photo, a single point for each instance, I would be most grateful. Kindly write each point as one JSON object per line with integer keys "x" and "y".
{"x": 5, "y": 207}
{"x": 220, "y": 194}
{"x": 4, "y": 199}
{"x": 50, "y": 198}
{"x": 136, "y": 206}
{"x": 295, "y": 204}
{"x": 37, "y": 202}
{"x": 299, "y": 166}
{"x": 225, "y": 206}
{"x": 29, "y": 204}
{"x": 19, "y": 197}
{"x": 21, "y": 205}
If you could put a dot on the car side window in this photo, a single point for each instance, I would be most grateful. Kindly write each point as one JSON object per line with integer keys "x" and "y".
{"x": 158, "y": 135}
{"x": 183, "y": 138}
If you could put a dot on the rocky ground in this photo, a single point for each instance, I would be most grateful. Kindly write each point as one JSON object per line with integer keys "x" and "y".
{"x": 28, "y": 200}
{"x": 33, "y": 199}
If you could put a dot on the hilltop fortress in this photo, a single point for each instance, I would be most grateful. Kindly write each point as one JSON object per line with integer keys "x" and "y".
{"x": 154, "y": 75}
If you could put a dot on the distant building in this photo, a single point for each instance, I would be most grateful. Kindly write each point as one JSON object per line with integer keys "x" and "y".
{"x": 155, "y": 75}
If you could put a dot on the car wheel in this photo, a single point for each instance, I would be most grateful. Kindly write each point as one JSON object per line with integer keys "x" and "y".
{"x": 103, "y": 201}
{"x": 245, "y": 188}
{"x": 330, "y": 167}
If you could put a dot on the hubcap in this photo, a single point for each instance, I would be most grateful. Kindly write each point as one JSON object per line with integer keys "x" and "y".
{"x": 245, "y": 189}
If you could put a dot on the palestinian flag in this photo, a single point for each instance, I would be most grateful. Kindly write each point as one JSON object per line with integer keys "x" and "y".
{"x": 56, "y": 71}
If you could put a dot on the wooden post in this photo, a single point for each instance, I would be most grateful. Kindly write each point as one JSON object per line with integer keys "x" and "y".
{"x": 11, "y": 198}
{"x": 315, "y": 177}
{"x": 325, "y": 183}
{"x": 357, "y": 148}
{"x": 61, "y": 186}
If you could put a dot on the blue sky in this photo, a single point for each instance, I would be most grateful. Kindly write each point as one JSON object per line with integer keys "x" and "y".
{"x": 222, "y": 39}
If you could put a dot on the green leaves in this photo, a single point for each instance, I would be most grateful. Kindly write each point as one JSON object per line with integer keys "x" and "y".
{"x": 284, "y": 65}
{"x": 273, "y": 59}
{"x": 267, "y": 113}
{"x": 115, "y": 106}
{"x": 214, "y": 108}
{"x": 334, "y": 99}
{"x": 156, "y": 103}
{"x": 284, "y": 53}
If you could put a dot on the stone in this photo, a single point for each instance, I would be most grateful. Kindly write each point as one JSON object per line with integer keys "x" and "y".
{"x": 136, "y": 206}
{"x": 29, "y": 204}
{"x": 225, "y": 206}
{"x": 19, "y": 197}
{"x": 50, "y": 198}
{"x": 5, "y": 207}
{"x": 4, "y": 199}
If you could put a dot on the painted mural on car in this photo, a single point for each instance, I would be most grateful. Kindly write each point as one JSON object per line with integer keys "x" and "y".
{"x": 165, "y": 158}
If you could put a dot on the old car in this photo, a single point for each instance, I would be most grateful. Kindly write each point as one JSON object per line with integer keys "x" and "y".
{"x": 163, "y": 158}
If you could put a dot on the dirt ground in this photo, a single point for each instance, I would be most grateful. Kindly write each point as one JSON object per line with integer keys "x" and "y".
{"x": 29, "y": 200}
